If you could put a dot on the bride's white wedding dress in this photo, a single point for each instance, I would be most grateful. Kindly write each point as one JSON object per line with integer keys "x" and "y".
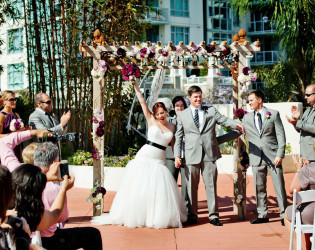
{"x": 148, "y": 195}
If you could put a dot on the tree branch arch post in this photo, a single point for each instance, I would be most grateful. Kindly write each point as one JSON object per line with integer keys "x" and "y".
{"x": 214, "y": 56}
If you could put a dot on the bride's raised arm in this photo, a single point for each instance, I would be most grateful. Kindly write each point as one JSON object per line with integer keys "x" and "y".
{"x": 148, "y": 115}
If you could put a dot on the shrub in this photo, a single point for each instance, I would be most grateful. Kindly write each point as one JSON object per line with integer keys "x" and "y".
{"x": 81, "y": 158}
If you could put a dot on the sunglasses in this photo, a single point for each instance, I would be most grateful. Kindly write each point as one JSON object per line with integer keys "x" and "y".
{"x": 48, "y": 102}
{"x": 12, "y": 99}
{"x": 308, "y": 95}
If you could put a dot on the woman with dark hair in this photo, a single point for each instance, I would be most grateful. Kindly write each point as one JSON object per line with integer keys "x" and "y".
{"x": 148, "y": 195}
{"x": 28, "y": 184}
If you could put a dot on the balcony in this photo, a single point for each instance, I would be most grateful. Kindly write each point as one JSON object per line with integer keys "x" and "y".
{"x": 158, "y": 16}
{"x": 265, "y": 58}
{"x": 261, "y": 27}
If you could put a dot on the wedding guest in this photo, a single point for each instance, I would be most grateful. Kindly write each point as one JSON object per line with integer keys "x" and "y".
{"x": 303, "y": 180}
{"x": 305, "y": 125}
{"x": 7, "y": 114}
{"x": 28, "y": 153}
{"x": 43, "y": 118}
{"x": 46, "y": 157}
{"x": 10, "y": 238}
{"x": 266, "y": 138}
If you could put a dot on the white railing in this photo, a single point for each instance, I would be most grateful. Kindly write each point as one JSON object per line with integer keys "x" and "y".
{"x": 200, "y": 80}
{"x": 262, "y": 26}
{"x": 158, "y": 15}
{"x": 265, "y": 57}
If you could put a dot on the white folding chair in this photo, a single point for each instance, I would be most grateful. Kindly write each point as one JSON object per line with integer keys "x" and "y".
{"x": 313, "y": 236}
{"x": 37, "y": 239}
{"x": 296, "y": 225}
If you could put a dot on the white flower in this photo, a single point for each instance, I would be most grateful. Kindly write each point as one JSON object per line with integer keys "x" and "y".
{"x": 240, "y": 196}
{"x": 13, "y": 122}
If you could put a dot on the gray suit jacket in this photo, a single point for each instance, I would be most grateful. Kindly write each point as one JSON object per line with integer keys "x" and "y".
{"x": 169, "y": 150}
{"x": 306, "y": 127}
{"x": 41, "y": 121}
{"x": 270, "y": 143}
{"x": 197, "y": 142}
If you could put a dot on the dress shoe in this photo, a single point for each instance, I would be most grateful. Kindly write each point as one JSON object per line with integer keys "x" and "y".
{"x": 282, "y": 222}
{"x": 216, "y": 222}
{"x": 259, "y": 221}
{"x": 189, "y": 222}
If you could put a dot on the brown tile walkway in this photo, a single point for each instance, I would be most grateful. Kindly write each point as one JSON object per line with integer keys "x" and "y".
{"x": 234, "y": 234}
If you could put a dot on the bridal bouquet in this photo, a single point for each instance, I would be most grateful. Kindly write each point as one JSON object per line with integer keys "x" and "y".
{"x": 97, "y": 194}
{"x": 130, "y": 69}
{"x": 16, "y": 124}
{"x": 247, "y": 77}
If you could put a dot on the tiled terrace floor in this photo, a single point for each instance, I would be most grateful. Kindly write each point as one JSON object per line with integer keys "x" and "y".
{"x": 235, "y": 234}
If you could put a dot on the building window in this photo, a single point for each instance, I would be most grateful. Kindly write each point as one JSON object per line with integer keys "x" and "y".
{"x": 179, "y": 34}
{"x": 15, "y": 41}
{"x": 16, "y": 76}
{"x": 152, "y": 34}
{"x": 18, "y": 7}
{"x": 180, "y": 8}
{"x": 220, "y": 15}
{"x": 259, "y": 22}
{"x": 219, "y": 37}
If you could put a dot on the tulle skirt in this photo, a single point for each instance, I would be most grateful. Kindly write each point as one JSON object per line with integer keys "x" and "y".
{"x": 147, "y": 197}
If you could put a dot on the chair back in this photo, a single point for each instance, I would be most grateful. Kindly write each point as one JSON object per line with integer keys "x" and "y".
{"x": 304, "y": 197}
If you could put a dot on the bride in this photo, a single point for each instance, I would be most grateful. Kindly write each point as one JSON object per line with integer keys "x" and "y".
{"x": 148, "y": 195}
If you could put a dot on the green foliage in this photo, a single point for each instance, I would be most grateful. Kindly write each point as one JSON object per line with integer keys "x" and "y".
{"x": 81, "y": 158}
{"x": 288, "y": 149}
{"x": 24, "y": 105}
{"x": 111, "y": 161}
{"x": 127, "y": 158}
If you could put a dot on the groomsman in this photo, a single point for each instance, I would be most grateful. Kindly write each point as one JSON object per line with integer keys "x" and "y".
{"x": 305, "y": 125}
{"x": 266, "y": 138}
{"x": 201, "y": 152}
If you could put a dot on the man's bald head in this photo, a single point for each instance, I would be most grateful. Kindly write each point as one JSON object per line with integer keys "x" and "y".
{"x": 43, "y": 102}
{"x": 311, "y": 87}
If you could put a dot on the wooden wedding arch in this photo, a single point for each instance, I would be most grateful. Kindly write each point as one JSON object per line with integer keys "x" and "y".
{"x": 216, "y": 56}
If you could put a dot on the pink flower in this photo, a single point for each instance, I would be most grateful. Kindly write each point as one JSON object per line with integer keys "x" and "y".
{"x": 239, "y": 113}
{"x": 268, "y": 114}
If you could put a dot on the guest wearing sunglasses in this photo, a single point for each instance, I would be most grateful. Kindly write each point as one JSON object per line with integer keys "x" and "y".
{"x": 7, "y": 114}
{"x": 43, "y": 118}
{"x": 305, "y": 125}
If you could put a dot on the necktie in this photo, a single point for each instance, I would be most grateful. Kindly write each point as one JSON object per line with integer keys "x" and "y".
{"x": 196, "y": 118}
{"x": 49, "y": 116}
{"x": 259, "y": 121}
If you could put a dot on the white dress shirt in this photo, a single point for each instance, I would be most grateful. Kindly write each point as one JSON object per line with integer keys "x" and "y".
{"x": 201, "y": 116}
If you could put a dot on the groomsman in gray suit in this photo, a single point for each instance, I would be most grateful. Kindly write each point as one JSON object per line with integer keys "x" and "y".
{"x": 43, "y": 118}
{"x": 266, "y": 138}
{"x": 201, "y": 152}
{"x": 305, "y": 125}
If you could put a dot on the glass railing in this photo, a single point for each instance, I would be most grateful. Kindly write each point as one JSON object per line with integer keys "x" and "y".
{"x": 262, "y": 26}
{"x": 265, "y": 57}
{"x": 158, "y": 15}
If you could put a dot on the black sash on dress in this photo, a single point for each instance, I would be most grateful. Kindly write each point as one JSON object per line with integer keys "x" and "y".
{"x": 156, "y": 145}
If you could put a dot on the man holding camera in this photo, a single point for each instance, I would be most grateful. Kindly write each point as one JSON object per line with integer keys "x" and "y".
{"x": 43, "y": 118}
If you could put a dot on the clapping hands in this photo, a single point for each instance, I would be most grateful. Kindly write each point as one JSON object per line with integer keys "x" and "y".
{"x": 296, "y": 114}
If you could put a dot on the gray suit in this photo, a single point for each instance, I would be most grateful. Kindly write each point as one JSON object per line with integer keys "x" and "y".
{"x": 264, "y": 147}
{"x": 201, "y": 152}
{"x": 306, "y": 127}
{"x": 42, "y": 121}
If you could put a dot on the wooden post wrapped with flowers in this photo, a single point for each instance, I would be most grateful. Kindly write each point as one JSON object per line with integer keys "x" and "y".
{"x": 130, "y": 59}
{"x": 241, "y": 82}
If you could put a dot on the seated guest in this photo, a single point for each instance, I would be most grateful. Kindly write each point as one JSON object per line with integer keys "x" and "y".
{"x": 304, "y": 179}
{"x": 10, "y": 238}
{"x": 28, "y": 153}
{"x": 46, "y": 156}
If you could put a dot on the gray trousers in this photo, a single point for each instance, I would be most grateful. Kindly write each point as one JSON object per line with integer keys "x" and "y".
{"x": 209, "y": 174}
{"x": 170, "y": 164}
{"x": 260, "y": 181}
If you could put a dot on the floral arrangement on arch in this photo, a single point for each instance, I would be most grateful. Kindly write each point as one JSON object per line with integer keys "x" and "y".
{"x": 239, "y": 113}
{"x": 98, "y": 123}
{"x": 247, "y": 77}
{"x": 99, "y": 72}
{"x": 16, "y": 124}
{"x": 97, "y": 193}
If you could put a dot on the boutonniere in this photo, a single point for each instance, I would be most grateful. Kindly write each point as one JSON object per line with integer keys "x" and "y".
{"x": 268, "y": 114}
{"x": 313, "y": 107}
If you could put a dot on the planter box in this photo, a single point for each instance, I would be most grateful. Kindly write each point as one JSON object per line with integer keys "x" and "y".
{"x": 84, "y": 176}
{"x": 225, "y": 165}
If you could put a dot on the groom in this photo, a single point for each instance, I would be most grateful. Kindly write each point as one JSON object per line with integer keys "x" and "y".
{"x": 201, "y": 152}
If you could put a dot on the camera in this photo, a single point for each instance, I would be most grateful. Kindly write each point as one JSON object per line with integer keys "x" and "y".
{"x": 64, "y": 169}
{"x": 15, "y": 222}
{"x": 66, "y": 137}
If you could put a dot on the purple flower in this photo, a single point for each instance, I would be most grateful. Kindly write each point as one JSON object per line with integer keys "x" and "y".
{"x": 17, "y": 125}
{"x": 130, "y": 69}
{"x": 246, "y": 71}
{"x": 239, "y": 113}
{"x": 160, "y": 51}
{"x": 313, "y": 107}
{"x": 121, "y": 53}
{"x": 94, "y": 195}
{"x": 143, "y": 51}
{"x": 226, "y": 52}
{"x": 165, "y": 53}
{"x": 268, "y": 114}
{"x": 210, "y": 48}
{"x": 142, "y": 55}
{"x": 94, "y": 119}
{"x": 101, "y": 124}
{"x": 100, "y": 132}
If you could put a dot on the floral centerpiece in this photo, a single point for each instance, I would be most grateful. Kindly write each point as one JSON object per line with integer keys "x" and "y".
{"x": 97, "y": 194}
{"x": 16, "y": 124}
{"x": 247, "y": 77}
